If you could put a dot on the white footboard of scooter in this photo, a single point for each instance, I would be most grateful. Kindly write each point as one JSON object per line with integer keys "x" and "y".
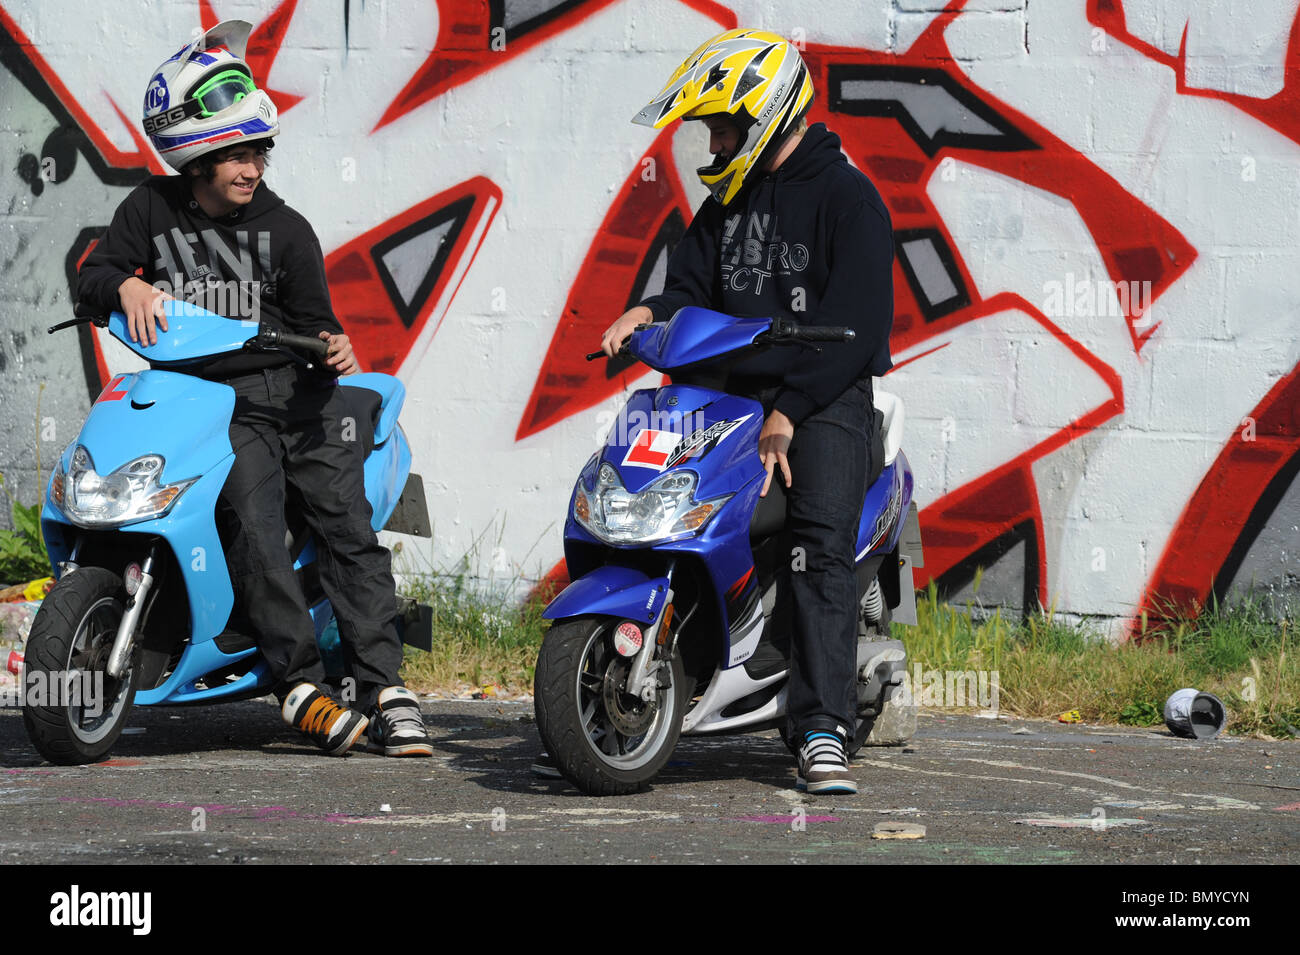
{"x": 726, "y": 687}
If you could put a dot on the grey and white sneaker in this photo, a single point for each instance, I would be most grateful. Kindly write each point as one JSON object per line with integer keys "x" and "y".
{"x": 824, "y": 764}
{"x": 397, "y": 726}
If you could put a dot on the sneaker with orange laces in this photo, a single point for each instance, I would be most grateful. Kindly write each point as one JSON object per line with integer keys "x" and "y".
{"x": 332, "y": 727}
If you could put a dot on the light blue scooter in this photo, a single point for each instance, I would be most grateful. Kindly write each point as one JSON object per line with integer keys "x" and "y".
{"x": 139, "y": 610}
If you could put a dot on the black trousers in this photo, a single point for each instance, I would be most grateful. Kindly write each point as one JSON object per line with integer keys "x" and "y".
{"x": 292, "y": 427}
{"x": 817, "y": 598}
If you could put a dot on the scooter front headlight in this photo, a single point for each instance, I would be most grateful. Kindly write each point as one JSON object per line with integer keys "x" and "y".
{"x": 133, "y": 492}
{"x": 664, "y": 510}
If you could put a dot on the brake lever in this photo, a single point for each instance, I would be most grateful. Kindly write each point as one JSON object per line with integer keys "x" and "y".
{"x": 766, "y": 338}
{"x": 261, "y": 343}
{"x": 100, "y": 321}
{"x": 621, "y": 345}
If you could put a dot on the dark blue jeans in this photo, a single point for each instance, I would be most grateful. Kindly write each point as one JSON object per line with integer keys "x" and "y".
{"x": 290, "y": 425}
{"x": 817, "y": 589}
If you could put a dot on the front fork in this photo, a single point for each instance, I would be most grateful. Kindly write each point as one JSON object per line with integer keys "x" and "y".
{"x": 641, "y": 679}
{"x": 124, "y": 642}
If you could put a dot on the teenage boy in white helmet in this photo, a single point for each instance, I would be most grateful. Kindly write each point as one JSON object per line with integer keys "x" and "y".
{"x": 217, "y": 223}
{"x": 790, "y": 228}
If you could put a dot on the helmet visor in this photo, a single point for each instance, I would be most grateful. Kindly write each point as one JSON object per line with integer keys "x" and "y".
{"x": 223, "y": 90}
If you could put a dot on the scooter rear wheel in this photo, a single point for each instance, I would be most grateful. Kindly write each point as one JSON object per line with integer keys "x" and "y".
{"x": 604, "y": 741}
{"x": 72, "y": 715}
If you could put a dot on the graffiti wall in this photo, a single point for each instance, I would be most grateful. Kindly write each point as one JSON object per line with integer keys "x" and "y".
{"x": 1096, "y": 207}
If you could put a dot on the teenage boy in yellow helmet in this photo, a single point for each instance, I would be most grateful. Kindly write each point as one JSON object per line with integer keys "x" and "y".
{"x": 790, "y": 228}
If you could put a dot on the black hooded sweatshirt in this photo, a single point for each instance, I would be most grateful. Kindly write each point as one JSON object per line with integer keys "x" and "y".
{"x": 263, "y": 249}
{"x": 811, "y": 241}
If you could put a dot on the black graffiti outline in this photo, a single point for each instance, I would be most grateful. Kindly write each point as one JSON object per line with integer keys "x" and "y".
{"x": 457, "y": 213}
{"x": 1006, "y": 138}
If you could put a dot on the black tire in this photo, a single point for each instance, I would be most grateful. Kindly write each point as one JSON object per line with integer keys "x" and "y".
{"x": 72, "y": 635}
{"x": 576, "y": 669}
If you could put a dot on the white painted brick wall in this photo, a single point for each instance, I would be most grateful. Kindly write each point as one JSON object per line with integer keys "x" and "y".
{"x": 550, "y": 127}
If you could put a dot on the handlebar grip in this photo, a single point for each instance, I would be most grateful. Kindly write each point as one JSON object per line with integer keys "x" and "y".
{"x": 312, "y": 346}
{"x": 825, "y": 333}
{"x": 623, "y": 344}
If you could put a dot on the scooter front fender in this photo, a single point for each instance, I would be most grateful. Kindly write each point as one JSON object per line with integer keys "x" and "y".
{"x": 611, "y": 591}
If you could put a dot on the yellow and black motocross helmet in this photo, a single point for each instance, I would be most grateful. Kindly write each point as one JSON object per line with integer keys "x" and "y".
{"x": 758, "y": 79}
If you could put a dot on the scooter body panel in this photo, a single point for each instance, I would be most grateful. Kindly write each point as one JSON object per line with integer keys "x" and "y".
{"x": 611, "y": 591}
{"x": 183, "y": 418}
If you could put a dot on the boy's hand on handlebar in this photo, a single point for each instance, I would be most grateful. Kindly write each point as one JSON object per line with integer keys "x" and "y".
{"x": 143, "y": 306}
{"x": 340, "y": 357}
{"x": 773, "y": 443}
{"x": 612, "y": 340}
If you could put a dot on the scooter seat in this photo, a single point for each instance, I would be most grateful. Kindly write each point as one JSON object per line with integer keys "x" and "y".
{"x": 374, "y": 402}
{"x": 891, "y": 407}
{"x": 879, "y": 458}
{"x": 392, "y": 393}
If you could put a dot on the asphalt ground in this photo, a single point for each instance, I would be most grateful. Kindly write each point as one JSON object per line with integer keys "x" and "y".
{"x": 233, "y": 784}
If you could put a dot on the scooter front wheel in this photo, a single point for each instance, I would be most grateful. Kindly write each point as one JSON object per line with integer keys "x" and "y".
{"x": 605, "y": 741}
{"x": 73, "y": 710}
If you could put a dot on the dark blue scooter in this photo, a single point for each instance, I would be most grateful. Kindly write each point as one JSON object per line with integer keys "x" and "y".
{"x": 674, "y": 557}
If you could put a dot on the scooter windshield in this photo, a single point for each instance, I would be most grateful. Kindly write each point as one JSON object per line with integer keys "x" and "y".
{"x": 193, "y": 333}
{"x": 694, "y": 335}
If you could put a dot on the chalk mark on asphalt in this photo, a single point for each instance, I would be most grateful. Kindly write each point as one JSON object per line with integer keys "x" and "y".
{"x": 1221, "y": 802}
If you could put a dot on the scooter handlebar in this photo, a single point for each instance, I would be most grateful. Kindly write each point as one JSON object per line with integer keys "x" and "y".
{"x": 315, "y": 347}
{"x": 825, "y": 333}
{"x": 601, "y": 354}
{"x": 787, "y": 330}
{"x": 783, "y": 331}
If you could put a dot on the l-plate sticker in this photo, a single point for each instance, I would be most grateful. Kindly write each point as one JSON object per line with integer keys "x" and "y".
{"x": 661, "y": 450}
{"x": 112, "y": 392}
{"x": 651, "y": 449}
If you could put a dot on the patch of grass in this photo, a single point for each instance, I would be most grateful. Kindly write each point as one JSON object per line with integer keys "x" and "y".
{"x": 22, "y": 550}
{"x": 481, "y": 635}
{"x": 1141, "y": 714}
{"x": 1047, "y": 666}
{"x": 476, "y": 640}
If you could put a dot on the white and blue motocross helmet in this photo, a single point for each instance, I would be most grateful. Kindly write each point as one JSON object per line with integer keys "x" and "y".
{"x": 204, "y": 98}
